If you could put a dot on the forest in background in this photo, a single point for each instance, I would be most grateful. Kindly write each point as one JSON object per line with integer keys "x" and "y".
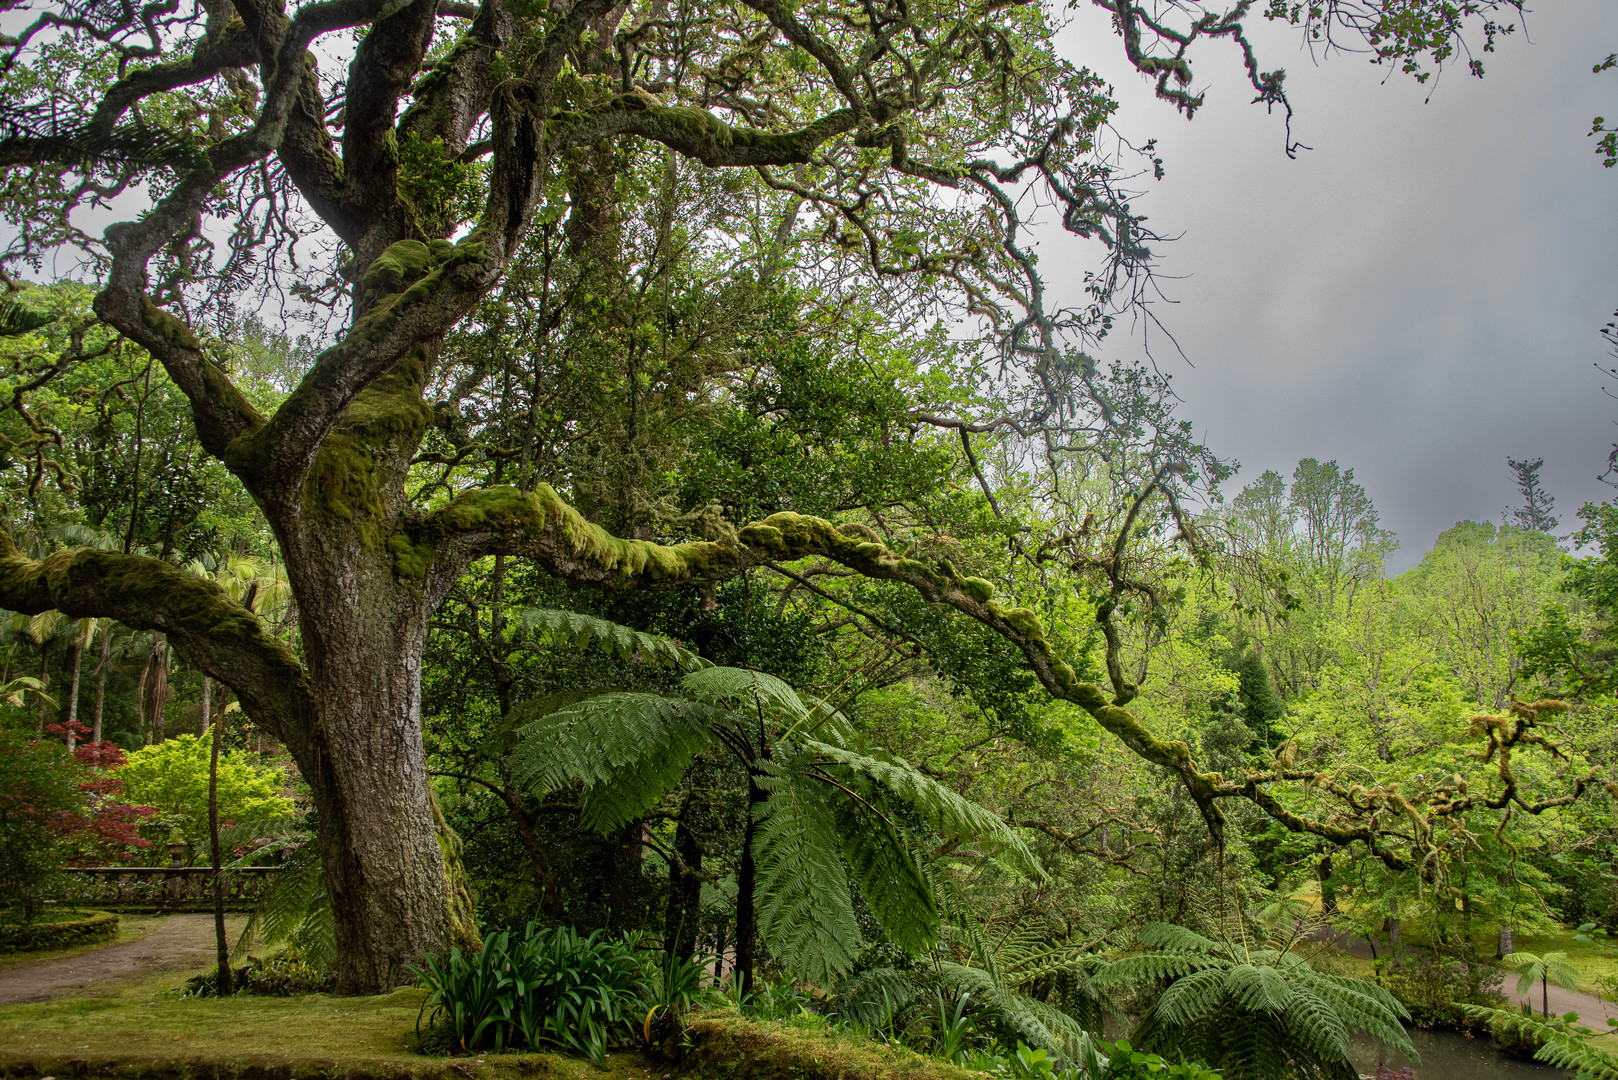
{"x": 615, "y": 483}
{"x": 1281, "y": 644}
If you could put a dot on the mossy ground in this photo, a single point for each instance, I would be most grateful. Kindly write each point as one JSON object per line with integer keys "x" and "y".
{"x": 147, "y": 1032}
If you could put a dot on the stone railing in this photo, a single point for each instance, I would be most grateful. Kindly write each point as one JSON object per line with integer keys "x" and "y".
{"x": 163, "y": 888}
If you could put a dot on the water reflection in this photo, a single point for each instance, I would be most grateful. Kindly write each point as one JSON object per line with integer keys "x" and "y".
{"x": 1447, "y": 1055}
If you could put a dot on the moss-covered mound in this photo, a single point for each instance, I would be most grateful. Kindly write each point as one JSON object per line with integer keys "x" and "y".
{"x": 85, "y": 928}
{"x": 318, "y": 1037}
{"x": 732, "y": 1048}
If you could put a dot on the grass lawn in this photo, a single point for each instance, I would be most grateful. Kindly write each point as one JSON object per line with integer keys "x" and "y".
{"x": 141, "y": 1030}
{"x": 131, "y": 928}
{"x": 157, "y": 1033}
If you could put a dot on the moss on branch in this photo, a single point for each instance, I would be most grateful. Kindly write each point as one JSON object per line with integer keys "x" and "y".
{"x": 209, "y": 629}
{"x": 541, "y": 526}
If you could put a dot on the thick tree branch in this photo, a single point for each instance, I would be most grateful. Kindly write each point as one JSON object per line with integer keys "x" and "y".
{"x": 542, "y": 527}
{"x": 211, "y": 631}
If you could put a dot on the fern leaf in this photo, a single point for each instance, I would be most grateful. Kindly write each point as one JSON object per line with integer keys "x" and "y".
{"x": 805, "y": 914}
{"x": 1037, "y": 1023}
{"x": 1190, "y": 998}
{"x": 948, "y": 812}
{"x": 1258, "y": 988}
{"x": 747, "y": 689}
{"x": 883, "y": 861}
{"x": 621, "y": 641}
{"x": 874, "y": 995}
{"x": 625, "y": 749}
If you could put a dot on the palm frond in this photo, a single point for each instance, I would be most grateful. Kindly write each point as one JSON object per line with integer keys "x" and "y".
{"x": 621, "y": 641}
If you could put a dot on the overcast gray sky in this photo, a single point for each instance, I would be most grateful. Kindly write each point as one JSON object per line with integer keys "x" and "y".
{"x": 1418, "y": 296}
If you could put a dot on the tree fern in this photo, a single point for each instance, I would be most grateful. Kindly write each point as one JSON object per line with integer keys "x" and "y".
{"x": 951, "y": 814}
{"x": 874, "y": 995}
{"x": 1253, "y": 1014}
{"x": 17, "y": 319}
{"x": 881, "y": 857}
{"x": 829, "y": 810}
{"x": 295, "y": 908}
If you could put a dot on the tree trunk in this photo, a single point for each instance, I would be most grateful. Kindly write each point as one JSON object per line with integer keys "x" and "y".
{"x": 746, "y": 879}
{"x": 73, "y": 688}
{"x": 1328, "y": 891}
{"x": 44, "y": 681}
{"x": 685, "y": 896}
{"x": 101, "y": 683}
{"x": 392, "y": 866}
{"x": 222, "y": 944}
{"x": 1506, "y": 942}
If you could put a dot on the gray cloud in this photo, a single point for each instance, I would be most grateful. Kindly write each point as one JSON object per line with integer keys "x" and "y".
{"x": 1419, "y": 295}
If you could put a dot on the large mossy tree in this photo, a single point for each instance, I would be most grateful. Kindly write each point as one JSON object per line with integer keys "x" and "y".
{"x": 892, "y": 141}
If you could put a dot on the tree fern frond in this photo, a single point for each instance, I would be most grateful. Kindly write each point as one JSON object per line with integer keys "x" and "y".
{"x": 960, "y": 923}
{"x": 1315, "y": 1024}
{"x": 883, "y": 861}
{"x": 1026, "y": 967}
{"x": 294, "y": 906}
{"x": 624, "y": 748}
{"x": 1070, "y": 1038}
{"x": 251, "y": 833}
{"x": 827, "y": 724}
{"x": 746, "y": 688}
{"x": 948, "y": 812}
{"x": 504, "y": 735}
{"x": 1192, "y": 997}
{"x": 1036, "y": 1023}
{"x": 872, "y": 996}
{"x": 1561, "y": 1044}
{"x": 621, "y": 641}
{"x": 17, "y": 319}
{"x": 1162, "y": 935}
{"x": 805, "y": 914}
{"x": 1146, "y": 967}
{"x": 1258, "y": 988}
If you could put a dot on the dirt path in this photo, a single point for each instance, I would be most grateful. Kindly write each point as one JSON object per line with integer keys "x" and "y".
{"x": 1592, "y": 1010}
{"x": 178, "y": 943}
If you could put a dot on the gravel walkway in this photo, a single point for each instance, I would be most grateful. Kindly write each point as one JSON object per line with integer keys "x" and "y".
{"x": 179, "y": 943}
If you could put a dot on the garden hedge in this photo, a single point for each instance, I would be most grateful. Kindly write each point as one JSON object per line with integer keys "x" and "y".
{"x": 95, "y": 926}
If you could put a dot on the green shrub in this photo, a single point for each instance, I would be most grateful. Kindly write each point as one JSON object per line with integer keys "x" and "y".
{"x": 551, "y": 986}
{"x": 286, "y": 975}
{"x": 1437, "y": 988}
{"x": 39, "y": 796}
{"x": 83, "y": 928}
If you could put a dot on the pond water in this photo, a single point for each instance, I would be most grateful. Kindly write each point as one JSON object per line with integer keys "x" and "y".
{"x": 1449, "y": 1055}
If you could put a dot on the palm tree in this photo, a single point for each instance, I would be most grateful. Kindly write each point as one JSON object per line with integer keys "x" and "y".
{"x": 824, "y": 807}
{"x": 1252, "y": 1013}
{"x": 1549, "y": 968}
